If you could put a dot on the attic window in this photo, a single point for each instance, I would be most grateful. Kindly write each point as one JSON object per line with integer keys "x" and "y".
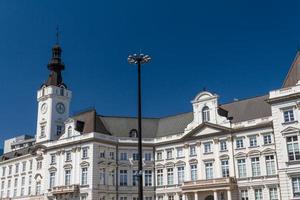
{"x": 205, "y": 114}
{"x": 133, "y": 133}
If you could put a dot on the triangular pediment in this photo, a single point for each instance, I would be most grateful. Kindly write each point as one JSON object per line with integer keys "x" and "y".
{"x": 290, "y": 129}
{"x": 206, "y": 129}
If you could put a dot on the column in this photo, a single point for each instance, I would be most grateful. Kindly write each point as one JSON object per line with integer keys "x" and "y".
{"x": 228, "y": 195}
{"x": 184, "y": 196}
{"x": 196, "y": 196}
{"x": 215, "y": 195}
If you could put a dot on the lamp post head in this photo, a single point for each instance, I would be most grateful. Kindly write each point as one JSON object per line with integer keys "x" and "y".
{"x": 138, "y": 59}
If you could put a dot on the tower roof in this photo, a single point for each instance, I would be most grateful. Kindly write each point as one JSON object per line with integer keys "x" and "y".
{"x": 293, "y": 75}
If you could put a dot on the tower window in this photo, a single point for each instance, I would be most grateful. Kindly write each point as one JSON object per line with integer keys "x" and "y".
{"x": 61, "y": 91}
{"x": 58, "y": 130}
{"x": 205, "y": 114}
{"x": 69, "y": 132}
{"x": 43, "y": 131}
{"x": 133, "y": 133}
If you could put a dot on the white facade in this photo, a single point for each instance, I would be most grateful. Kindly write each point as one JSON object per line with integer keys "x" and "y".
{"x": 214, "y": 156}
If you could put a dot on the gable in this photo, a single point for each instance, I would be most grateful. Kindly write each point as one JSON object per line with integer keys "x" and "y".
{"x": 290, "y": 129}
{"x": 206, "y": 129}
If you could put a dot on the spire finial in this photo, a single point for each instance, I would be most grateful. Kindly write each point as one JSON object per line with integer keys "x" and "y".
{"x": 57, "y": 35}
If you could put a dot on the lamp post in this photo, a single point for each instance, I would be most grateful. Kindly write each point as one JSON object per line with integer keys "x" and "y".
{"x": 138, "y": 60}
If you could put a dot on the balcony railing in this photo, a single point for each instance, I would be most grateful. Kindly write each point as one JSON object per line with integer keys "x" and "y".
{"x": 64, "y": 189}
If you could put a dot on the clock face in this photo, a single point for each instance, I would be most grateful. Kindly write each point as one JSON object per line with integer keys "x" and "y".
{"x": 44, "y": 108}
{"x": 60, "y": 108}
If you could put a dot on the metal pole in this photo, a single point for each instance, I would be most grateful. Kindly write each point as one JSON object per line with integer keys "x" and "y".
{"x": 140, "y": 151}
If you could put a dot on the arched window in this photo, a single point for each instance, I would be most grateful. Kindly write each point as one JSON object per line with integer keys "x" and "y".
{"x": 69, "y": 131}
{"x": 205, "y": 114}
{"x": 133, "y": 133}
{"x": 61, "y": 91}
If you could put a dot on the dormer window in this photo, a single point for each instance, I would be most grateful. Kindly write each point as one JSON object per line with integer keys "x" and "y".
{"x": 205, "y": 114}
{"x": 133, "y": 133}
{"x": 69, "y": 131}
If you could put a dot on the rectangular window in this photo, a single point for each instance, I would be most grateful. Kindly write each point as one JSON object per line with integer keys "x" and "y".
{"x": 207, "y": 147}
{"x": 68, "y": 156}
{"x": 239, "y": 143}
{"x": 43, "y": 131}
{"x": 84, "y": 174}
{"x": 209, "y": 170}
{"x": 267, "y": 139}
{"x": 255, "y": 165}
{"x": 59, "y": 130}
{"x": 123, "y": 198}
{"x": 270, "y": 165}
{"x": 180, "y": 174}
{"x": 148, "y": 178}
{"x": 159, "y": 155}
{"x": 169, "y": 154}
{"x": 112, "y": 155}
{"x": 225, "y": 168}
{"x": 23, "y": 181}
{"x": 102, "y": 176}
{"x": 148, "y": 156}
{"x": 24, "y": 166}
{"x": 241, "y": 168}
{"x": 244, "y": 195}
{"x": 273, "y": 193}
{"x": 179, "y": 152}
{"x": 3, "y": 171}
{"x": 223, "y": 145}
{"x": 9, "y": 169}
{"x": 258, "y": 194}
{"x": 2, "y": 185}
{"x": 170, "y": 179}
{"x": 160, "y": 177}
{"x": 52, "y": 180}
{"x": 170, "y": 197}
{"x": 194, "y": 175}
{"x": 29, "y": 180}
{"x": 253, "y": 141}
{"x": 193, "y": 150}
{"x": 123, "y": 177}
{"x": 102, "y": 154}
{"x": 135, "y": 156}
{"x": 67, "y": 177}
{"x": 123, "y": 156}
{"x": 296, "y": 186}
{"x": 30, "y": 164}
{"x": 16, "y": 182}
{"x": 293, "y": 148}
{"x": 288, "y": 115}
{"x": 52, "y": 159}
{"x": 135, "y": 177}
{"x": 38, "y": 188}
{"x": 17, "y": 168}
{"x": 84, "y": 152}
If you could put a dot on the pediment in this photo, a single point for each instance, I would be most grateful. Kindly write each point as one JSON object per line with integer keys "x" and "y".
{"x": 290, "y": 129}
{"x": 253, "y": 152}
{"x": 180, "y": 162}
{"x": 240, "y": 155}
{"x": 268, "y": 151}
{"x": 207, "y": 128}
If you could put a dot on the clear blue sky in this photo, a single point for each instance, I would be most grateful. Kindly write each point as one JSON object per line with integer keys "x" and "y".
{"x": 237, "y": 49}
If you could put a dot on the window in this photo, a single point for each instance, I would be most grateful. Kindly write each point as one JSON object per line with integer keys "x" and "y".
{"x": 22, "y": 191}
{"x": 30, "y": 164}
{"x": 29, "y": 180}
{"x": 84, "y": 172}
{"x": 133, "y": 133}
{"x": 84, "y": 198}
{"x": 3, "y": 171}
{"x": 123, "y": 177}
{"x": 69, "y": 132}
{"x": 258, "y": 194}
{"x": 39, "y": 165}
{"x": 24, "y": 166}
{"x": 123, "y": 198}
{"x": 148, "y": 156}
{"x": 193, "y": 172}
{"x": 38, "y": 188}
{"x": 84, "y": 152}
{"x": 68, "y": 156}
{"x": 160, "y": 177}
{"x": 67, "y": 177}
{"x": 52, "y": 180}
{"x": 270, "y": 165}
{"x": 169, "y": 154}
{"x": 135, "y": 177}
{"x": 170, "y": 176}
{"x": 148, "y": 198}
{"x": 223, "y": 145}
{"x": 244, "y": 195}
{"x": 102, "y": 154}
{"x": 112, "y": 177}
{"x": 159, "y": 155}
{"x": 23, "y": 181}
{"x": 239, "y": 143}
{"x": 241, "y": 168}
{"x": 112, "y": 155}
{"x": 253, "y": 141}
{"x": 43, "y": 131}
{"x": 102, "y": 176}
{"x": 148, "y": 178}
{"x": 9, "y": 169}
{"x": 273, "y": 193}
{"x": 267, "y": 139}
{"x": 209, "y": 170}
{"x": 288, "y": 115}
{"x": 170, "y": 197}
{"x": 16, "y": 182}
{"x": 123, "y": 156}
{"x": 296, "y": 186}
{"x": 225, "y": 168}
{"x": 207, "y": 147}
{"x": 180, "y": 174}
{"x": 293, "y": 148}
{"x": 205, "y": 114}
{"x": 179, "y": 152}
{"x": 193, "y": 150}
{"x": 17, "y": 168}
{"x": 255, "y": 165}
{"x": 52, "y": 159}
{"x": 58, "y": 130}
{"x": 135, "y": 156}
{"x": 2, "y": 185}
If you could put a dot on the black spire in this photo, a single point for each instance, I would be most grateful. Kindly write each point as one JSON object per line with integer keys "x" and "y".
{"x": 56, "y": 65}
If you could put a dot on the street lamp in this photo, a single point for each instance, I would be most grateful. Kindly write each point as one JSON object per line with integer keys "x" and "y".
{"x": 138, "y": 60}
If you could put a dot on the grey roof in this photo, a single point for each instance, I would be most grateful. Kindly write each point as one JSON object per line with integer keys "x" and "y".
{"x": 293, "y": 75}
{"x": 248, "y": 109}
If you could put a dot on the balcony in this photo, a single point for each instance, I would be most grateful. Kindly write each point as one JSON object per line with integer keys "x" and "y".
{"x": 217, "y": 183}
{"x": 64, "y": 189}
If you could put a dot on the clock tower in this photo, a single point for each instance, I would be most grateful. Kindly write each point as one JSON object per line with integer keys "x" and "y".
{"x": 53, "y": 101}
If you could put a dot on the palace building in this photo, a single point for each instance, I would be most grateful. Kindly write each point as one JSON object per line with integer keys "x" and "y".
{"x": 243, "y": 150}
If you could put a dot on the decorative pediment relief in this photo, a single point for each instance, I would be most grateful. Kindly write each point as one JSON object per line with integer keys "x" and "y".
{"x": 38, "y": 177}
{"x": 268, "y": 151}
{"x": 84, "y": 164}
{"x": 289, "y": 130}
{"x": 159, "y": 166}
{"x": 169, "y": 164}
{"x": 240, "y": 155}
{"x": 193, "y": 160}
{"x": 68, "y": 166}
{"x": 224, "y": 156}
{"x": 253, "y": 153}
{"x": 52, "y": 169}
{"x": 207, "y": 128}
{"x": 180, "y": 162}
